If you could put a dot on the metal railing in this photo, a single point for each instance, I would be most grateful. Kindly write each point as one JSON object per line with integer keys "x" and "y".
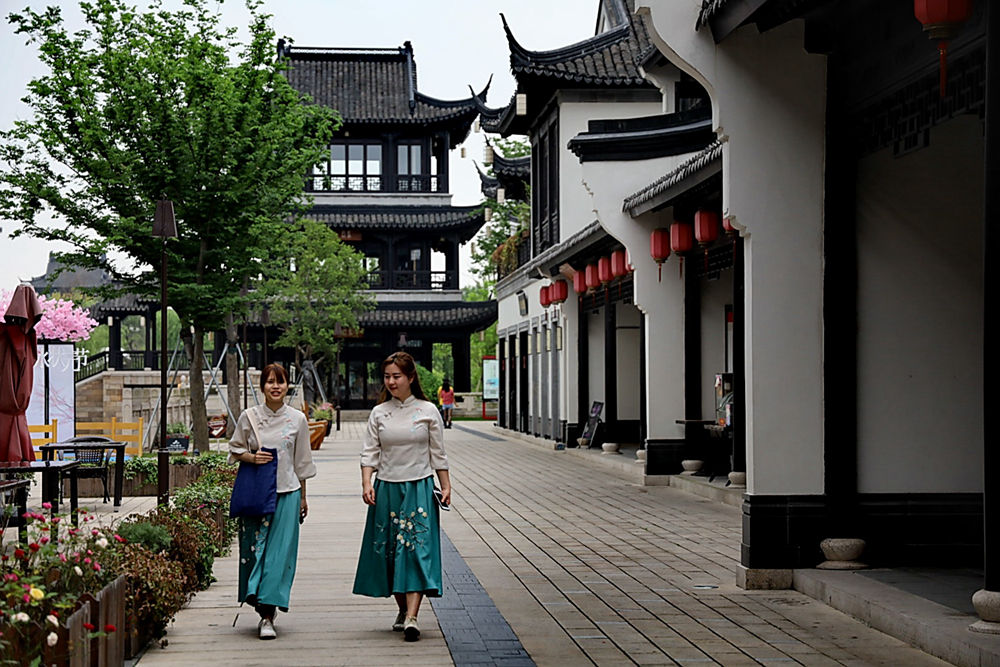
{"x": 410, "y": 280}
{"x": 418, "y": 183}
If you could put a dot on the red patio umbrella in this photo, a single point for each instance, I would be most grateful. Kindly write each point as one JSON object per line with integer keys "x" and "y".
{"x": 18, "y": 353}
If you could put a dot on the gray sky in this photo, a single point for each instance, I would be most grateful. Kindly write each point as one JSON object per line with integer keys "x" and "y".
{"x": 456, "y": 43}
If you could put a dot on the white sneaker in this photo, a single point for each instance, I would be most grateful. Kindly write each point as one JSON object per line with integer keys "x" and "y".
{"x": 411, "y": 632}
{"x": 400, "y": 620}
{"x": 265, "y": 629}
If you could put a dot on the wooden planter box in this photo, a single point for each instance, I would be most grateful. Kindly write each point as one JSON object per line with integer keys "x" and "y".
{"x": 105, "y": 608}
{"x": 180, "y": 476}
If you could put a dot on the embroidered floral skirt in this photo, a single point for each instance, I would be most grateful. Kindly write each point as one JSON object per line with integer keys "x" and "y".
{"x": 401, "y": 548}
{"x": 269, "y": 549}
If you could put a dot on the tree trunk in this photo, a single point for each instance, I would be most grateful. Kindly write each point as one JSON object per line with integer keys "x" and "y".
{"x": 232, "y": 374}
{"x": 195, "y": 347}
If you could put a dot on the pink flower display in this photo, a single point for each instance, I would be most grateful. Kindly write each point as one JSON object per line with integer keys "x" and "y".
{"x": 61, "y": 319}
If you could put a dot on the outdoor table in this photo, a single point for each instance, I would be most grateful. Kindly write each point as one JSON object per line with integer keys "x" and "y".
{"x": 17, "y": 519}
{"x": 49, "y": 452}
{"x": 52, "y": 472}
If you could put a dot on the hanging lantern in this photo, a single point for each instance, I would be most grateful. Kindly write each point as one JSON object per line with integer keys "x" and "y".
{"x": 706, "y": 227}
{"x": 521, "y": 105}
{"x": 727, "y": 224}
{"x": 619, "y": 267}
{"x": 487, "y": 214}
{"x": 942, "y": 20}
{"x": 488, "y": 155}
{"x": 559, "y": 291}
{"x": 543, "y": 297}
{"x": 593, "y": 279}
{"x": 659, "y": 248}
{"x": 501, "y": 195}
{"x": 604, "y": 272}
{"x": 580, "y": 282}
{"x": 681, "y": 241}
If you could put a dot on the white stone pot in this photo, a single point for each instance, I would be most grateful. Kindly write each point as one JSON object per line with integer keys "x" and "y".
{"x": 610, "y": 448}
{"x": 842, "y": 554}
{"x": 738, "y": 480}
{"x": 640, "y": 457}
{"x": 987, "y": 604}
{"x": 691, "y": 466}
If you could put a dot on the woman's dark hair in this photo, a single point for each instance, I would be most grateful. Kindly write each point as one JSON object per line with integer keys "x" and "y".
{"x": 406, "y": 364}
{"x": 445, "y": 385}
{"x": 277, "y": 370}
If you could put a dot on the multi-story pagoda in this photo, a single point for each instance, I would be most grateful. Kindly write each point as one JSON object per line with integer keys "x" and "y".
{"x": 384, "y": 189}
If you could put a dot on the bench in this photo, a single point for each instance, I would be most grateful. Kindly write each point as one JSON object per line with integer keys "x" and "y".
{"x": 114, "y": 429}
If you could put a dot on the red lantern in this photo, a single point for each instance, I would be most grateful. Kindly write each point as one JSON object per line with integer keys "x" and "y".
{"x": 558, "y": 291}
{"x": 727, "y": 224}
{"x": 706, "y": 227}
{"x": 604, "y": 270}
{"x": 942, "y": 20}
{"x": 580, "y": 282}
{"x": 593, "y": 280}
{"x": 543, "y": 297}
{"x": 659, "y": 248}
{"x": 681, "y": 241}
{"x": 619, "y": 266}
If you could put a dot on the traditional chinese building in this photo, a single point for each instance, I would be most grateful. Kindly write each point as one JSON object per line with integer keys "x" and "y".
{"x": 385, "y": 190}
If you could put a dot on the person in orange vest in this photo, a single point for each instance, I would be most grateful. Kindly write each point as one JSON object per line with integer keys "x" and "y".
{"x": 446, "y": 396}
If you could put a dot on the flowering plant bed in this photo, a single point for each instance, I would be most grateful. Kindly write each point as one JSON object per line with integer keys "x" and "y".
{"x": 92, "y": 594}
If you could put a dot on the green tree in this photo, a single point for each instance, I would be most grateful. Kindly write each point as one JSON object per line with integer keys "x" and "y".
{"x": 484, "y": 343}
{"x": 141, "y": 105}
{"x": 313, "y": 289}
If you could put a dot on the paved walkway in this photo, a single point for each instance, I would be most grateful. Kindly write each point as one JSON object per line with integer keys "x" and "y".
{"x": 585, "y": 567}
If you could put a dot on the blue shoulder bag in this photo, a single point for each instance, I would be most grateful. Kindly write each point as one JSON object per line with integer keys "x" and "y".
{"x": 255, "y": 493}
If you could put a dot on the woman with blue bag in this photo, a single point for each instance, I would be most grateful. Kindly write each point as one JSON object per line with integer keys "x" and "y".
{"x": 269, "y": 539}
{"x": 404, "y": 445}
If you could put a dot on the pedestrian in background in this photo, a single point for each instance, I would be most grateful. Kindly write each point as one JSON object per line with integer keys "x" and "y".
{"x": 269, "y": 545}
{"x": 446, "y": 396}
{"x": 403, "y": 448}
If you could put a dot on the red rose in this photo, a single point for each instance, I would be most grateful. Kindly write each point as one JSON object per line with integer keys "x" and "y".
{"x": 19, "y": 553}
{"x": 34, "y": 546}
{"x": 109, "y": 628}
{"x": 89, "y": 627}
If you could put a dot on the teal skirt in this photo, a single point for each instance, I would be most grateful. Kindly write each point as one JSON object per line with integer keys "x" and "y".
{"x": 269, "y": 549}
{"x": 401, "y": 548}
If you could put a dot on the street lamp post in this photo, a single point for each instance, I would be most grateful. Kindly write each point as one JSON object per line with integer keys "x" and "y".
{"x": 164, "y": 227}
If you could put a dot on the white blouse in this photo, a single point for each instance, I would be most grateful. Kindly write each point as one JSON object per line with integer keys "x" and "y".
{"x": 404, "y": 440}
{"x": 284, "y": 429}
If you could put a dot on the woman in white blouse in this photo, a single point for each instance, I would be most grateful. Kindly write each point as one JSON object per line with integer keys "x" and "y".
{"x": 269, "y": 545}
{"x": 403, "y": 448}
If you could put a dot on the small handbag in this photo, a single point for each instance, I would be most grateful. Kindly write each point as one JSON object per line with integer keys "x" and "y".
{"x": 255, "y": 492}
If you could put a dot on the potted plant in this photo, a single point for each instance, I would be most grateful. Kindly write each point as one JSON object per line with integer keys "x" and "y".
{"x": 178, "y": 437}
{"x": 324, "y": 412}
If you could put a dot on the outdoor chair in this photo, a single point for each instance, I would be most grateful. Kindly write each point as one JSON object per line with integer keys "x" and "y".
{"x": 96, "y": 462}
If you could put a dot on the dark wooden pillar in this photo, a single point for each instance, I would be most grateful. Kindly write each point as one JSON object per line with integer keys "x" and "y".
{"x": 643, "y": 410}
{"x": 693, "y": 433}
{"x": 611, "y": 369}
{"x": 739, "y": 360}
{"x": 502, "y": 390}
{"x": 991, "y": 355}
{"x": 115, "y": 343}
{"x": 461, "y": 352}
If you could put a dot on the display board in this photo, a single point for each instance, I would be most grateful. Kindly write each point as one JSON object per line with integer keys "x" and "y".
{"x": 491, "y": 380}
{"x": 53, "y": 395}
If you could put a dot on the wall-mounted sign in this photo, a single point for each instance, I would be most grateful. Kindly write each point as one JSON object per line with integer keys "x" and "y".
{"x": 491, "y": 380}
{"x": 349, "y": 235}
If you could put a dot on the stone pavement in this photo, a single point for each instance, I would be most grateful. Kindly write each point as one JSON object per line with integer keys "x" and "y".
{"x": 585, "y": 567}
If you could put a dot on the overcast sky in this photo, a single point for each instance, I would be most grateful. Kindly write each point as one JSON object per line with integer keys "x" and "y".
{"x": 456, "y": 43}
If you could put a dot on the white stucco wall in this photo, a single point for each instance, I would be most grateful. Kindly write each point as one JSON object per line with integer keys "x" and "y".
{"x": 595, "y": 357}
{"x": 768, "y": 98}
{"x": 575, "y": 112}
{"x": 628, "y": 320}
{"x": 920, "y": 306}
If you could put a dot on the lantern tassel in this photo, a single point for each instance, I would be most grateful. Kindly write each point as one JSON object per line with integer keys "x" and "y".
{"x": 943, "y": 51}
{"x": 706, "y": 260}
{"x": 681, "y": 274}
{"x": 659, "y": 272}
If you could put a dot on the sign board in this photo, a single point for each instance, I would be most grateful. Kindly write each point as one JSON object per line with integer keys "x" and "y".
{"x": 349, "y": 235}
{"x": 217, "y": 426}
{"x": 53, "y": 395}
{"x": 491, "y": 380}
{"x": 178, "y": 443}
{"x": 590, "y": 428}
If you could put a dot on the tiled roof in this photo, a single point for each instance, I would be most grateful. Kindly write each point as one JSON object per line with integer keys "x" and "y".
{"x": 708, "y": 8}
{"x": 686, "y": 169}
{"x": 512, "y": 167}
{"x": 476, "y": 315}
{"x": 609, "y": 58}
{"x": 372, "y": 86}
{"x": 465, "y": 219}
{"x": 68, "y": 279}
{"x": 122, "y": 305}
{"x": 487, "y": 184}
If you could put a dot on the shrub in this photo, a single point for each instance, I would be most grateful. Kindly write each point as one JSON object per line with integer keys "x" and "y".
{"x": 178, "y": 428}
{"x": 193, "y": 545}
{"x": 154, "y": 537}
{"x": 156, "y": 590}
{"x": 142, "y": 465}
